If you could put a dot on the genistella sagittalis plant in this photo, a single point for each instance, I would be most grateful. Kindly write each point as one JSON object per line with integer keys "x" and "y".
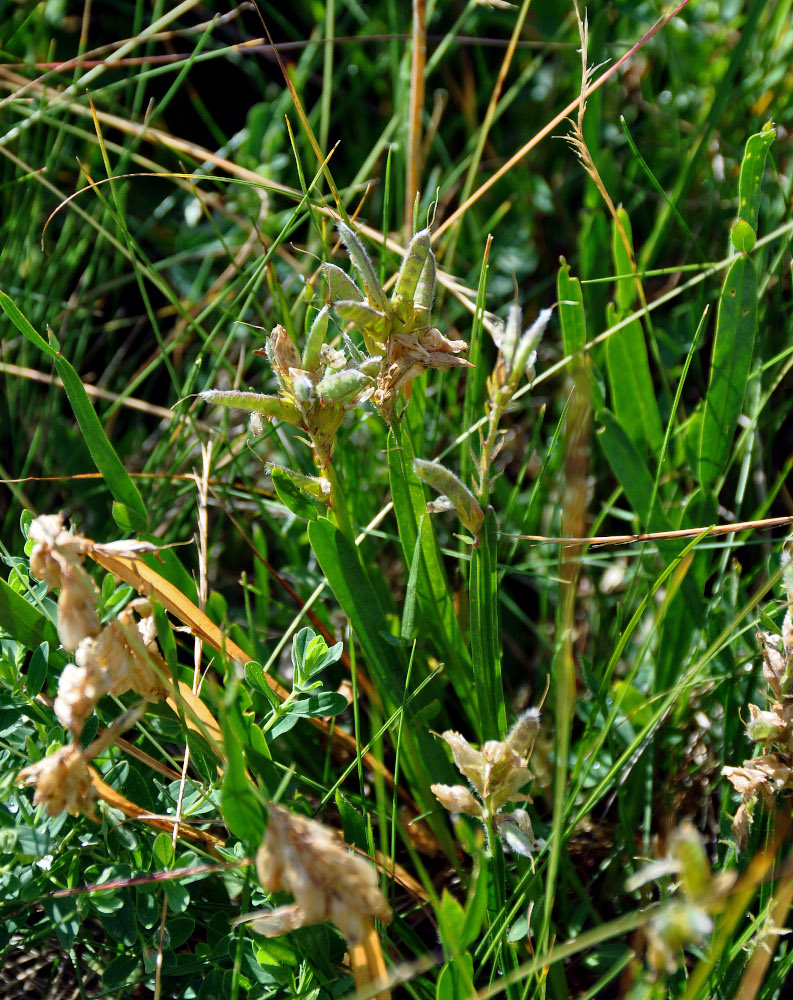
{"x": 316, "y": 388}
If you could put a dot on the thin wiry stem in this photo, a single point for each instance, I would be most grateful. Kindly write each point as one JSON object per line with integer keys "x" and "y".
{"x": 416, "y": 110}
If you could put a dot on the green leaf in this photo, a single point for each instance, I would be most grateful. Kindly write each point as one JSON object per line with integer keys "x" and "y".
{"x": 736, "y": 325}
{"x": 632, "y": 391}
{"x": 163, "y": 852}
{"x": 322, "y": 703}
{"x": 451, "y": 921}
{"x": 177, "y": 894}
{"x": 752, "y": 170}
{"x": 107, "y": 461}
{"x": 423, "y": 760}
{"x": 26, "y": 624}
{"x": 408, "y": 627}
{"x": 37, "y": 671}
{"x": 476, "y": 904}
{"x": 292, "y": 497}
{"x": 571, "y": 310}
{"x": 241, "y": 809}
{"x": 117, "y": 972}
{"x": 179, "y": 931}
{"x": 254, "y": 674}
{"x": 353, "y": 823}
{"x": 742, "y": 236}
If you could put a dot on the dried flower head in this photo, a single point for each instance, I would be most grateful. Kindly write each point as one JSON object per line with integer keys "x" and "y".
{"x": 63, "y": 781}
{"x": 497, "y": 772}
{"x": 56, "y": 558}
{"x": 770, "y": 773}
{"x": 303, "y": 857}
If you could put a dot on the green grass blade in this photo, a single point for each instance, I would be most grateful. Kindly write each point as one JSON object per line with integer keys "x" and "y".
{"x": 624, "y": 263}
{"x": 485, "y": 634}
{"x": 121, "y": 486}
{"x": 736, "y": 325}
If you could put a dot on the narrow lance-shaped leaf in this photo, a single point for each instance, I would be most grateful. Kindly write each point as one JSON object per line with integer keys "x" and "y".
{"x": 118, "y": 480}
{"x": 750, "y": 187}
{"x": 362, "y": 264}
{"x": 630, "y": 382}
{"x": 412, "y": 265}
{"x": 733, "y": 346}
{"x": 571, "y": 310}
{"x": 272, "y": 406}
{"x": 340, "y": 283}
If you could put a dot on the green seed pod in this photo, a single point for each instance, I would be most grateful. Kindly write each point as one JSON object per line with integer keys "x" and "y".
{"x": 424, "y": 295}
{"x": 412, "y": 266}
{"x": 368, "y": 320}
{"x": 315, "y": 340}
{"x": 371, "y": 366}
{"x": 360, "y": 259}
{"x": 341, "y": 284}
{"x": 444, "y": 481}
{"x": 338, "y": 387}
{"x": 271, "y": 406}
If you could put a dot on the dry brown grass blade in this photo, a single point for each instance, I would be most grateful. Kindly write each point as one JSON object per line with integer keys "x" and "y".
{"x": 418, "y": 68}
{"x": 368, "y": 965}
{"x": 651, "y": 536}
{"x": 118, "y": 801}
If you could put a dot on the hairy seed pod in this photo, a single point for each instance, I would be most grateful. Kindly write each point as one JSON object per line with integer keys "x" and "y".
{"x": 412, "y": 266}
{"x": 444, "y": 481}
{"x": 340, "y": 386}
{"x": 424, "y": 295}
{"x": 369, "y": 321}
{"x": 315, "y": 340}
{"x": 340, "y": 283}
{"x": 271, "y": 406}
{"x": 360, "y": 259}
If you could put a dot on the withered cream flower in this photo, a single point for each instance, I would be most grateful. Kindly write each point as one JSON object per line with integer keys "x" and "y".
{"x": 303, "y": 857}
{"x": 62, "y": 781}
{"x": 497, "y": 772}
{"x": 120, "y": 658}
{"x": 56, "y": 558}
{"x": 772, "y": 772}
